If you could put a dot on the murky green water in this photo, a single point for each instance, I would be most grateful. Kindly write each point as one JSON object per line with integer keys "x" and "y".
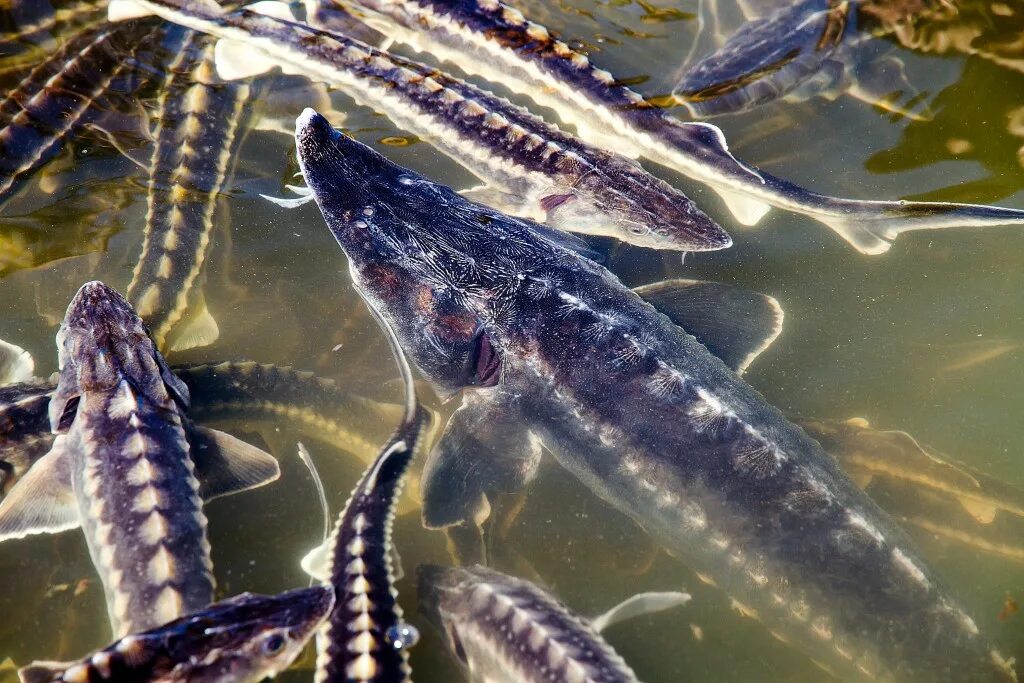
{"x": 928, "y": 338}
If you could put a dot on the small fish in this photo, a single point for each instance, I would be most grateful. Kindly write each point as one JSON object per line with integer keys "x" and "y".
{"x": 528, "y": 166}
{"x": 126, "y": 466}
{"x": 497, "y": 42}
{"x": 365, "y": 638}
{"x": 976, "y": 354}
{"x": 242, "y": 639}
{"x": 507, "y": 630}
{"x": 196, "y": 125}
{"x": 57, "y": 96}
{"x": 632, "y": 405}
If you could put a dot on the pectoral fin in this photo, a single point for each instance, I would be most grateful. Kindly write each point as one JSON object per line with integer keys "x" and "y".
{"x": 484, "y": 449}
{"x": 638, "y": 606}
{"x": 317, "y": 562}
{"x": 198, "y": 330}
{"x": 16, "y": 364}
{"x": 744, "y": 208}
{"x": 225, "y": 464}
{"x": 734, "y": 324}
{"x": 42, "y": 501}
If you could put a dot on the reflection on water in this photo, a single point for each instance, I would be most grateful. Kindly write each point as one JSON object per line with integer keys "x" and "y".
{"x": 924, "y": 339}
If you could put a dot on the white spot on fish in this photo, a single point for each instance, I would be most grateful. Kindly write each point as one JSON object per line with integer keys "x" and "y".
{"x": 908, "y": 566}
{"x": 363, "y": 668}
{"x": 101, "y": 661}
{"x": 123, "y": 403}
{"x": 167, "y": 606}
{"x": 147, "y": 500}
{"x": 859, "y": 522}
{"x": 161, "y": 567}
{"x": 363, "y": 642}
{"x": 154, "y": 529}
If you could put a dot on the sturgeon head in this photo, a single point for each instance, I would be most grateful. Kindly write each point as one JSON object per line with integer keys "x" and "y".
{"x": 101, "y": 343}
{"x": 439, "y": 267}
{"x": 245, "y": 638}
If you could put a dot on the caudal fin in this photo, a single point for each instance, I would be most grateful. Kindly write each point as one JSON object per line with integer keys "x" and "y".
{"x": 871, "y": 226}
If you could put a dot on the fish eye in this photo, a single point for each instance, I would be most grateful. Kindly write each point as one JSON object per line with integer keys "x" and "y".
{"x": 273, "y": 644}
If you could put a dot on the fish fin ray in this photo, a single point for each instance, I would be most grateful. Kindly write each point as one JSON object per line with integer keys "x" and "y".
{"x": 639, "y": 605}
{"x": 236, "y": 60}
{"x": 272, "y": 8}
{"x": 734, "y": 324}
{"x": 982, "y": 511}
{"x": 42, "y": 502}
{"x": 226, "y": 464}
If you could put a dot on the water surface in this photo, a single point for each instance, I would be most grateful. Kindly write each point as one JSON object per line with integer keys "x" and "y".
{"x": 927, "y": 338}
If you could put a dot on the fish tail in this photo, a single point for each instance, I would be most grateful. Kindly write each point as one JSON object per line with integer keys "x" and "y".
{"x": 871, "y": 226}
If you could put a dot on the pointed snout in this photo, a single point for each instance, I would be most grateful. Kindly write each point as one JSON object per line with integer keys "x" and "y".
{"x": 96, "y": 301}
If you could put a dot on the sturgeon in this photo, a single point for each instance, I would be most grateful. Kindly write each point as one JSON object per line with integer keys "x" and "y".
{"x": 818, "y": 47}
{"x": 245, "y": 638}
{"x": 57, "y": 96}
{"x": 126, "y": 466}
{"x": 803, "y": 45}
{"x": 497, "y": 42}
{"x": 642, "y": 413}
{"x": 196, "y": 126}
{"x": 528, "y": 166}
{"x": 505, "y": 629}
{"x": 365, "y": 638}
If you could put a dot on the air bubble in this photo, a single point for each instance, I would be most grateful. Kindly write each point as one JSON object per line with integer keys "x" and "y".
{"x": 402, "y": 636}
